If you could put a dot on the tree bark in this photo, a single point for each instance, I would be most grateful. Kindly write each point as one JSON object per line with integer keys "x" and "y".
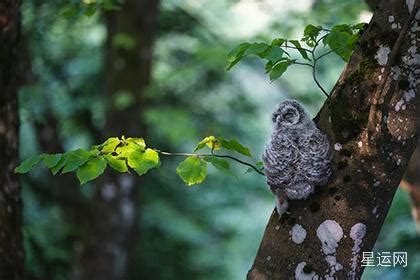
{"x": 113, "y": 231}
{"x": 11, "y": 247}
{"x": 370, "y": 121}
{"x": 373, "y": 4}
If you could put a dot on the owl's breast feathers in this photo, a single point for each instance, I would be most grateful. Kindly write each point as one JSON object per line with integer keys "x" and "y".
{"x": 279, "y": 157}
{"x": 315, "y": 158}
{"x": 290, "y": 160}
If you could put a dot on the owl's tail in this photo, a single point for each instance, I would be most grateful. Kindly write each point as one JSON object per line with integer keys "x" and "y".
{"x": 281, "y": 201}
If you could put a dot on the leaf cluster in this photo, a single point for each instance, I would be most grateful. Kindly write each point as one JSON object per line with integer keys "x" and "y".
{"x": 89, "y": 7}
{"x": 193, "y": 170}
{"x": 341, "y": 39}
{"x": 119, "y": 154}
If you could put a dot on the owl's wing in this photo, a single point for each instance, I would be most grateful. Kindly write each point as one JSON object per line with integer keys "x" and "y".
{"x": 280, "y": 158}
{"x": 315, "y": 154}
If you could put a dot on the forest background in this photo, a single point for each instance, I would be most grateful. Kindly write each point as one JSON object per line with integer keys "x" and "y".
{"x": 209, "y": 231}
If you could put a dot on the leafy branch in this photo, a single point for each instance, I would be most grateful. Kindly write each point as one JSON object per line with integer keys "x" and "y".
{"x": 340, "y": 39}
{"x": 131, "y": 153}
{"x": 88, "y": 7}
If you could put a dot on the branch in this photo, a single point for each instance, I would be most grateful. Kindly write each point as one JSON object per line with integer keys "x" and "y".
{"x": 327, "y": 53}
{"x": 293, "y": 47}
{"x": 316, "y": 79}
{"x": 216, "y": 155}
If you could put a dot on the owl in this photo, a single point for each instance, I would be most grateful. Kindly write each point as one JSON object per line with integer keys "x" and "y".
{"x": 297, "y": 157}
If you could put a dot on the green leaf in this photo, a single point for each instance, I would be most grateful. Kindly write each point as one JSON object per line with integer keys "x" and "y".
{"x": 310, "y": 34}
{"x": 74, "y": 159}
{"x": 341, "y": 27}
{"x": 360, "y": 26}
{"x": 220, "y": 164}
{"x": 300, "y": 49}
{"x": 209, "y": 141}
{"x": 278, "y": 42}
{"x": 52, "y": 160}
{"x": 234, "y": 145}
{"x": 110, "y": 144}
{"x": 274, "y": 54}
{"x": 192, "y": 170}
{"x": 117, "y": 164}
{"x": 236, "y": 54}
{"x": 90, "y": 10}
{"x": 256, "y": 48}
{"x": 70, "y": 11}
{"x": 341, "y": 42}
{"x": 28, "y": 164}
{"x": 110, "y": 5}
{"x": 60, "y": 164}
{"x": 136, "y": 145}
{"x": 142, "y": 162}
{"x": 260, "y": 165}
{"x": 136, "y": 141}
{"x": 268, "y": 67}
{"x": 91, "y": 169}
{"x": 279, "y": 69}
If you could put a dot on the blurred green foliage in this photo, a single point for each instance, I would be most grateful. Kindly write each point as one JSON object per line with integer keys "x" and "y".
{"x": 210, "y": 232}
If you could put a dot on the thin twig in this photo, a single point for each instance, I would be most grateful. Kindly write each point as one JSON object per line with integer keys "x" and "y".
{"x": 292, "y": 47}
{"x": 242, "y": 162}
{"x": 315, "y": 78}
{"x": 213, "y": 154}
{"x": 306, "y": 64}
{"x": 327, "y": 53}
{"x": 314, "y": 66}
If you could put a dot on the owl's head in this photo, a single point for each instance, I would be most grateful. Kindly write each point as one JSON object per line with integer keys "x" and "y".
{"x": 290, "y": 114}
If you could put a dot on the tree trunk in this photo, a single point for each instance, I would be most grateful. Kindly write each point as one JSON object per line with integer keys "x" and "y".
{"x": 11, "y": 248}
{"x": 370, "y": 121}
{"x": 106, "y": 251}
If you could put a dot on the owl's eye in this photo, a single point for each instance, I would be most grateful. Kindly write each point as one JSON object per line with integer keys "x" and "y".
{"x": 289, "y": 115}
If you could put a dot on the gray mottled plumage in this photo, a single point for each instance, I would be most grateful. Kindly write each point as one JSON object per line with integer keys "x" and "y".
{"x": 297, "y": 157}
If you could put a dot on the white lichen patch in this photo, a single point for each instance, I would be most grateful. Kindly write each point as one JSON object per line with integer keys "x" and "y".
{"x": 409, "y": 94}
{"x": 382, "y": 55}
{"x": 298, "y": 234}
{"x": 399, "y": 104}
{"x": 338, "y": 146}
{"x": 330, "y": 233}
{"x": 357, "y": 232}
{"x": 301, "y": 275}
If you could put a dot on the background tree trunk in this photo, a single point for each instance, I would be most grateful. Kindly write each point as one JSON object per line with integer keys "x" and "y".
{"x": 11, "y": 247}
{"x": 371, "y": 118}
{"x": 112, "y": 233}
